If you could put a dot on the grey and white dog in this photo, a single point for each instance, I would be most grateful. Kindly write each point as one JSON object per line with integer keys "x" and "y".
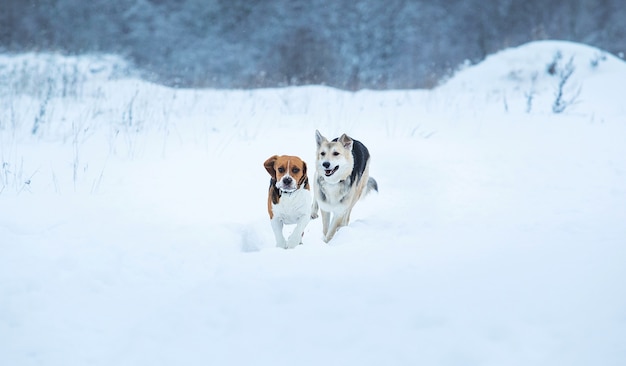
{"x": 341, "y": 179}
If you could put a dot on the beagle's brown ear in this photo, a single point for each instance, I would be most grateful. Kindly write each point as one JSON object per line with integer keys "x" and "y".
{"x": 305, "y": 179}
{"x": 269, "y": 165}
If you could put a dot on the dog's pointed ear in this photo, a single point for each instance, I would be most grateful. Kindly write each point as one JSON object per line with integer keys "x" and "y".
{"x": 319, "y": 138}
{"x": 346, "y": 141}
{"x": 269, "y": 165}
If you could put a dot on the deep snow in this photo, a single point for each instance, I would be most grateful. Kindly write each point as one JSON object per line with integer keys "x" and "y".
{"x": 134, "y": 231}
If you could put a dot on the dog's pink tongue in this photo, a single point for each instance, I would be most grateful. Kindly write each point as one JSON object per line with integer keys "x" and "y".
{"x": 330, "y": 172}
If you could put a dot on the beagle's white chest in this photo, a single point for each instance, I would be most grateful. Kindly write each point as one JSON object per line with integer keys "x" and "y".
{"x": 292, "y": 207}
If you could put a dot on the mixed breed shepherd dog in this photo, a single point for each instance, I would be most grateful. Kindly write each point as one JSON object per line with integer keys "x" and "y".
{"x": 341, "y": 179}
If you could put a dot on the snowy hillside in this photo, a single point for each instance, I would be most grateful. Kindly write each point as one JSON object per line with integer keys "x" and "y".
{"x": 134, "y": 230}
{"x": 527, "y": 79}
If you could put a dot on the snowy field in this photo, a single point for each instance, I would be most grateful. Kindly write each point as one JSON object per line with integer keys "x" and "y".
{"x": 134, "y": 229}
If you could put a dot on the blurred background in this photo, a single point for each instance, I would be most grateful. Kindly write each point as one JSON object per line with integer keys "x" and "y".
{"x": 348, "y": 44}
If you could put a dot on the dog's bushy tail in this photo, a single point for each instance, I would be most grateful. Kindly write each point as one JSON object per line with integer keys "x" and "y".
{"x": 372, "y": 185}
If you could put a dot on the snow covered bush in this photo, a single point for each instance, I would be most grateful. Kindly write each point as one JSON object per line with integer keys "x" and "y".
{"x": 565, "y": 95}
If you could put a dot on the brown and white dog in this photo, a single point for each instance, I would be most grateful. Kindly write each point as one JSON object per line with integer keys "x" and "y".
{"x": 341, "y": 179}
{"x": 289, "y": 198}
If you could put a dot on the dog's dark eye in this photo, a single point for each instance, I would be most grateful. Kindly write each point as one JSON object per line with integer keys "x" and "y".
{"x": 281, "y": 170}
{"x": 295, "y": 170}
{"x": 335, "y": 153}
{"x": 323, "y": 153}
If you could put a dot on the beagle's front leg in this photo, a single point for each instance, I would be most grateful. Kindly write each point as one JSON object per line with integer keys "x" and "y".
{"x": 296, "y": 236}
{"x": 277, "y": 226}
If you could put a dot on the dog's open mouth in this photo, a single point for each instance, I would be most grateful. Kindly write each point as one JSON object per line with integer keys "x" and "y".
{"x": 329, "y": 172}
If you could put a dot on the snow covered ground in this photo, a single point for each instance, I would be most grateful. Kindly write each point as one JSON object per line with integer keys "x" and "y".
{"x": 134, "y": 231}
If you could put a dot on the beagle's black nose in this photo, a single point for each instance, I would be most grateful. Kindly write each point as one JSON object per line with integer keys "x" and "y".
{"x": 287, "y": 180}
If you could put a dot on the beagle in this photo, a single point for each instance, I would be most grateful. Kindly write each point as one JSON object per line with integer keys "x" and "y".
{"x": 289, "y": 198}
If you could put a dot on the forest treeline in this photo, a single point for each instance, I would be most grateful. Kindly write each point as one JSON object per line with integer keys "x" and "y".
{"x": 349, "y": 44}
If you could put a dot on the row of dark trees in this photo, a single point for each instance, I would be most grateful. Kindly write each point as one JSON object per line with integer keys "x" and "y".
{"x": 350, "y": 44}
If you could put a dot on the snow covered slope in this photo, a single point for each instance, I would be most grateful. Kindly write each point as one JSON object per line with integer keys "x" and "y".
{"x": 133, "y": 226}
{"x": 527, "y": 79}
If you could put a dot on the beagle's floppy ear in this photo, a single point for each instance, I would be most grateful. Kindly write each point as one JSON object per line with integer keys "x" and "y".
{"x": 269, "y": 166}
{"x": 304, "y": 179}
